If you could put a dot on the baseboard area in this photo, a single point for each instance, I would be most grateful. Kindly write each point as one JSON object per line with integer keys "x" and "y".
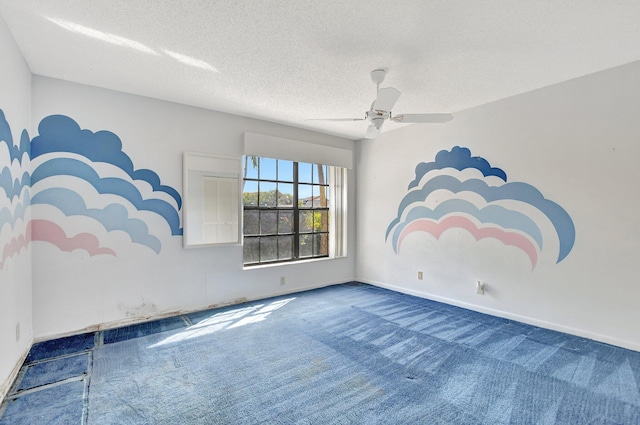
{"x": 6, "y": 385}
{"x": 511, "y": 316}
{"x": 493, "y": 312}
{"x": 148, "y": 318}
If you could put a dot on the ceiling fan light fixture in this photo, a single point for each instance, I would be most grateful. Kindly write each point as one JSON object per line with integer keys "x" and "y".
{"x": 377, "y": 122}
{"x": 372, "y": 132}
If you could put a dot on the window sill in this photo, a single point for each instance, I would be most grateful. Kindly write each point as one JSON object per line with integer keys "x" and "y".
{"x": 291, "y": 263}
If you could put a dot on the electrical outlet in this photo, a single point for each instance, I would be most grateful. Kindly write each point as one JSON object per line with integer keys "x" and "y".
{"x": 419, "y": 275}
{"x": 17, "y": 331}
{"x": 282, "y": 280}
{"x": 480, "y": 287}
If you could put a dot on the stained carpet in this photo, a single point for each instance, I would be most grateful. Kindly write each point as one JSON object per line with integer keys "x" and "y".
{"x": 347, "y": 354}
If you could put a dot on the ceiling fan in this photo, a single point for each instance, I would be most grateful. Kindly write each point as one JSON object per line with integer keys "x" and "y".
{"x": 381, "y": 109}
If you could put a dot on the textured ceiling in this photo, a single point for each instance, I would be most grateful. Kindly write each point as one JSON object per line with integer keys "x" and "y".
{"x": 288, "y": 61}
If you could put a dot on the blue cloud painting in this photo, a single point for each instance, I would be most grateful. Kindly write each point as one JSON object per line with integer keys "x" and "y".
{"x": 460, "y": 159}
{"x": 59, "y": 134}
{"x": 80, "y": 173}
{"x": 15, "y": 182}
{"x": 505, "y": 215}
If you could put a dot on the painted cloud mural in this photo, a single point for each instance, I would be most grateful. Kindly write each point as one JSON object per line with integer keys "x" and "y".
{"x": 15, "y": 182}
{"x": 74, "y": 179}
{"x": 487, "y": 207}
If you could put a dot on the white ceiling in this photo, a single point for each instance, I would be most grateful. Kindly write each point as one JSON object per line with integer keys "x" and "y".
{"x": 287, "y": 61}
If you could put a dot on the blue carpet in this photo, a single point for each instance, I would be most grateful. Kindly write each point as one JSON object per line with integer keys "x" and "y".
{"x": 347, "y": 354}
{"x": 52, "y": 371}
{"x": 61, "y": 346}
{"x": 60, "y": 405}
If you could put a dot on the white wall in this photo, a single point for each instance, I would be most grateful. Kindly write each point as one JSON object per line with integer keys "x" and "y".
{"x": 578, "y": 143}
{"x": 15, "y": 273}
{"x": 73, "y": 290}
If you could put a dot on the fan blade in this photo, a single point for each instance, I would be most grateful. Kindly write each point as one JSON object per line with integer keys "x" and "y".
{"x": 387, "y": 97}
{"x": 335, "y": 119}
{"x": 372, "y": 132}
{"x": 423, "y": 118}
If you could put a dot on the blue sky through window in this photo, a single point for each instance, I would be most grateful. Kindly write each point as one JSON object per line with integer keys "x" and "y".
{"x": 272, "y": 169}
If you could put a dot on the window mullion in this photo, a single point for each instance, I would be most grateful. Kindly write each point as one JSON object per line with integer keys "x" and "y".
{"x": 296, "y": 215}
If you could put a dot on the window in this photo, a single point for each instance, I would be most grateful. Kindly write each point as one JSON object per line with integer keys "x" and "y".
{"x": 295, "y": 206}
{"x": 287, "y": 210}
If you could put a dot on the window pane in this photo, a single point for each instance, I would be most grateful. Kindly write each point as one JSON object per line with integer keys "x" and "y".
{"x": 267, "y": 169}
{"x": 306, "y": 221}
{"x": 250, "y": 193}
{"x": 251, "y": 250}
{"x": 320, "y": 174}
{"x": 268, "y": 248}
{"x": 250, "y": 165}
{"x": 305, "y": 172}
{"x": 321, "y": 221}
{"x": 321, "y": 192}
{"x": 321, "y": 244}
{"x": 285, "y": 195}
{"x": 268, "y": 222}
{"x": 305, "y": 195}
{"x": 285, "y": 247}
{"x": 267, "y": 194}
{"x": 306, "y": 245}
{"x": 285, "y": 170}
{"x": 285, "y": 223}
{"x": 251, "y": 222}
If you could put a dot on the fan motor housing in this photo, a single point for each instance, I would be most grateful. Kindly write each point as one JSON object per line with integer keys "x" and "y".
{"x": 377, "y": 75}
{"x": 373, "y": 114}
